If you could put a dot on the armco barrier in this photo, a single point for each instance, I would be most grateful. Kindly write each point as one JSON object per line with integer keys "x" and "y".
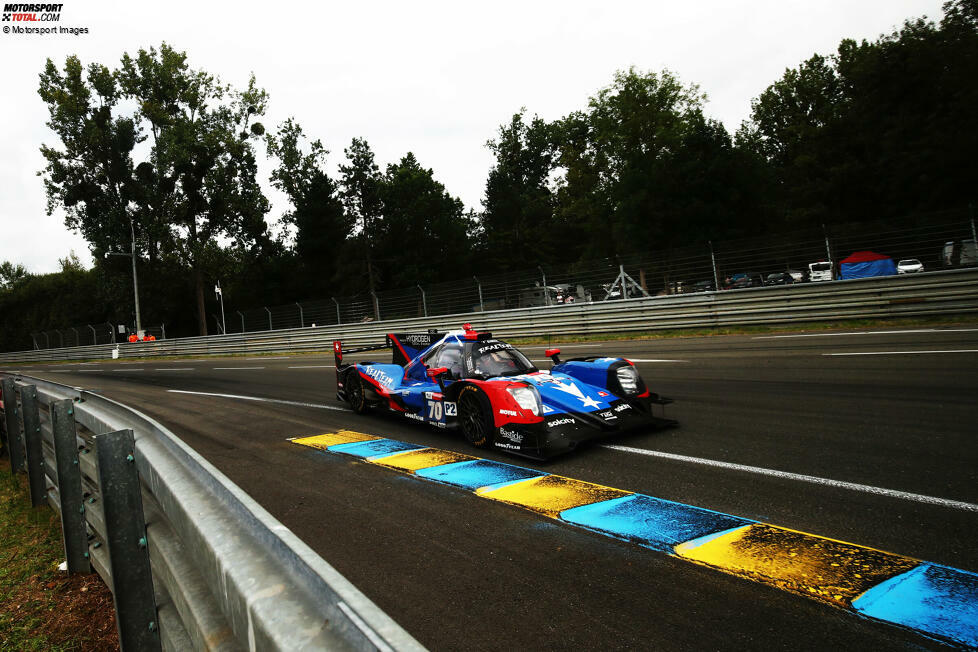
{"x": 193, "y": 562}
{"x": 927, "y": 294}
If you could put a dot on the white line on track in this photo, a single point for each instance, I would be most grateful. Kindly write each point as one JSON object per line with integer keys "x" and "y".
{"x": 315, "y": 366}
{"x": 260, "y": 399}
{"x": 655, "y": 360}
{"x": 227, "y": 368}
{"x": 904, "y": 352}
{"x": 281, "y": 357}
{"x": 565, "y": 346}
{"x": 778, "y": 337}
{"x": 839, "y": 484}
{"x": 174, "y": 369}
{"x": 129, "y": 369}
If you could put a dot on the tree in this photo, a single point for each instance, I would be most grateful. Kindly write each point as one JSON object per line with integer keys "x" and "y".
{"x": 12, "y": 275}
{"x": 361, "y": 192}
{"x": 424, "y": 233}
{"x": 880, "y": 129}
{"x": 196, "y": 183}
{"x": 519, "y": 204}
{"x": 318, "y": 216}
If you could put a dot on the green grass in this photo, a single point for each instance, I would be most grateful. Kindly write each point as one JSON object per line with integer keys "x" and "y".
{"x": 42, "y": 608}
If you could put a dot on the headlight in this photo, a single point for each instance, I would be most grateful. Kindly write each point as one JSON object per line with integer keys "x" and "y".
{"x": 628, "y": 379}
{"x": 527, "y": 397}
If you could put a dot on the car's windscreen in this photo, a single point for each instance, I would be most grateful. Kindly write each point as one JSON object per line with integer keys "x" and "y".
{"x": 494, "y": 358}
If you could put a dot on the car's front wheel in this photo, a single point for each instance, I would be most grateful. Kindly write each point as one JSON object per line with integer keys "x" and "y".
{"x": 475, "y": 417}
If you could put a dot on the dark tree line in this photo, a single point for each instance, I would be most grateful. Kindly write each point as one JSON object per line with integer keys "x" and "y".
{"x": 879, "y": 129}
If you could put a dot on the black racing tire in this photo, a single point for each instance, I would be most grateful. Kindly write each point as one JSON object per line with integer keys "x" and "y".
{"x": 475, "y": 417}
{"x": 355, "y": 393}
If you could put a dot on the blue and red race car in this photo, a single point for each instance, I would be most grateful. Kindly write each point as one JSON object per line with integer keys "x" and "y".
{"x": 495, "y": 396}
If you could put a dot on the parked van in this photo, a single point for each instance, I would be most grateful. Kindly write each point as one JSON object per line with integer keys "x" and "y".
{"x": 820, "y": 271}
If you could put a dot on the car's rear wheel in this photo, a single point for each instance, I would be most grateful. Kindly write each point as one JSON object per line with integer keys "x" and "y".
{"x": 475, "y": 417}
{"x": 355, "y": 395}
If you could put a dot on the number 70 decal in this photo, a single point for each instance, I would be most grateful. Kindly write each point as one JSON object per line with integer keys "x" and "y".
{"x": 438, "y": 410}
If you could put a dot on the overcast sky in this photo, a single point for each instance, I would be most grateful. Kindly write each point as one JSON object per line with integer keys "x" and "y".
{"x": 433, "y": 78}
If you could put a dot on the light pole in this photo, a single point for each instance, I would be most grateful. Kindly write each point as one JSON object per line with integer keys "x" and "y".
{"x": 220, "y": 295}
{"x": 135, "y": 281}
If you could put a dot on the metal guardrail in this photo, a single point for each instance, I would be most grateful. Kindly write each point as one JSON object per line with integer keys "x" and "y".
{"x": 192, "y": 561}
{"x": 929, "y": 293}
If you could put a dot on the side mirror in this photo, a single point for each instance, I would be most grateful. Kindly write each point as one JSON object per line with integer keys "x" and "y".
{"x": 553, "y": 354}
{"x": 435, "y": 372}
{"x": 438, "y": 375}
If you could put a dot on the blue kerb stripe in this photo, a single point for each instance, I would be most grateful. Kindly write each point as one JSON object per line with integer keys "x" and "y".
{"x": 653, "y": 522}
{"x": 374, "y": 447}
{"x": 473, "y": 474}
{"x": 930, "y": 598}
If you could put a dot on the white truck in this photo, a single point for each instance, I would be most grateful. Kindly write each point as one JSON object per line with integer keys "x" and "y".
{"x": 820, "y": 271}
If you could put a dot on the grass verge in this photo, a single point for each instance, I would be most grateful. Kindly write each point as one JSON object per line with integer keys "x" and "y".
{"x": 42, "y": 608}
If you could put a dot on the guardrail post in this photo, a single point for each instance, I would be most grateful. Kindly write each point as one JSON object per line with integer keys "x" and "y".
{"x": 269, "y": 317}
{"x": 111, "y": 330}
{"x": 94, "y": 334}
{"x": 302, "y": 319}
{"x": 61, "y": 338}
{"x": 125, "y": 525}
{"x": 34, "y": 339}
{"x": 69, "y": 486}
{"x": 376, "y": 305}
{"x": 32, "y": 444}
{"x": 15, "y": 443}
{"x": 162, "y": 331}
{"x": 338, "y": 320}
{"x": 242, "y": 320}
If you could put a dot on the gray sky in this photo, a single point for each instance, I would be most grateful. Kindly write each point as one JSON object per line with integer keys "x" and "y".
{"x": 433, "y": 78}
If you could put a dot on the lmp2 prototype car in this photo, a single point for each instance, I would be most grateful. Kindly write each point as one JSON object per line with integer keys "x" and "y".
{"x": 495, "y": 396}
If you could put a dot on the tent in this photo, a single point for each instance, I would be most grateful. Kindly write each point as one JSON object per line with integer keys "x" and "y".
{"x": 863, "y": 264}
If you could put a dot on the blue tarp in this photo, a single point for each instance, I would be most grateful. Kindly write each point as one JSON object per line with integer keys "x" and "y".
{"x": 882, "y": 267}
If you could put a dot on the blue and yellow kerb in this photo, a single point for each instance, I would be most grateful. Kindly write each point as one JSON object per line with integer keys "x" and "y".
{"x": 935, "y": 600}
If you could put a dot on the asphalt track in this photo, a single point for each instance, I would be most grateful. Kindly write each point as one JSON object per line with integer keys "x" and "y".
{"x": 770, "y": 428}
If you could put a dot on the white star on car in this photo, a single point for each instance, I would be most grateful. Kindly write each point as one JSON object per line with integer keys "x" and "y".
{"x": 573, "y": 389}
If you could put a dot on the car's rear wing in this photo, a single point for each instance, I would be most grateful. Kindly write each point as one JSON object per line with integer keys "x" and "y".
{"x": 339, "y": 351}
{"x": 405, "y": 346}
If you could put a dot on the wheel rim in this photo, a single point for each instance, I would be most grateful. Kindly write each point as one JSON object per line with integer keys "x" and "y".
{"x": 356, "y": 391}
{"x": 473, "y": 424}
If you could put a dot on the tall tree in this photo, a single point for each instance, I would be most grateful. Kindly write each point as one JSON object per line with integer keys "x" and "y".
{"x": 519, "y": 202}
{"x": 196, "y": 183}
{"x": 361, "y": 191}
{"x": 318, "y": 216}
{"x": 424, "y": 233}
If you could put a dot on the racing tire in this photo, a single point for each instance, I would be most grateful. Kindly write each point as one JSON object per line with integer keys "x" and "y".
{"x": 475, "y": 417}
{"x": 355, "y": 395}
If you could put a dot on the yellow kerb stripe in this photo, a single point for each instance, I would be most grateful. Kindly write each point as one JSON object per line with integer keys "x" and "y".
{"x": 831, "y": 571}
{"x": 328, "y": 439}
{"x": 420, "y": 459}
{"x": 552, "y": 494}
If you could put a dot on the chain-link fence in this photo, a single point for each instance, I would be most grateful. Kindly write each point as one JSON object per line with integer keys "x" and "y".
{"x": 105, "y": 333}
{"x": 937, "y": 241}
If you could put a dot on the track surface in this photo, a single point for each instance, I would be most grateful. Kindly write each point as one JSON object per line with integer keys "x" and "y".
{"x": 460, "y": 572}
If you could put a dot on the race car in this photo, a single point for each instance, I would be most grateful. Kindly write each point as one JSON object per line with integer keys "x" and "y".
{"x": 494, "y": 395}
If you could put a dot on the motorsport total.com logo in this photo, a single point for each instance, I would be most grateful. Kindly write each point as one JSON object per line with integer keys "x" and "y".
{"x": 29, "y": 13}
